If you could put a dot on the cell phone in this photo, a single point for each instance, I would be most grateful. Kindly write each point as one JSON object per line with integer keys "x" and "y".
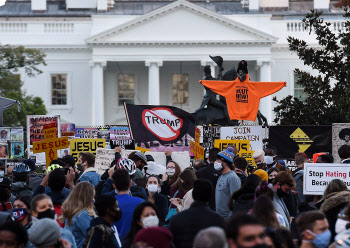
{"x": 65, "y": 170}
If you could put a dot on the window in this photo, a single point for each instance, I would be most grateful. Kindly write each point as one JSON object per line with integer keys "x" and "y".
{"x": 126, "y": 88}
{"x": 180, "y": 88}
{"x": 298, "y": 89}
{"x": 59, "y": 89}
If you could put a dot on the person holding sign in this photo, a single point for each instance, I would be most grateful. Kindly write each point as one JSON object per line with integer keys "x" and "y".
{"x": 87, "y": 161}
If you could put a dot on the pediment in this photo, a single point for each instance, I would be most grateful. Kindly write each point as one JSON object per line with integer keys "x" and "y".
{"x": 181, "y": 22}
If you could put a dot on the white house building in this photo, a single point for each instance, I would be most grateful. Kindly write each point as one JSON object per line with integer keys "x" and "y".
{"x": 101, "y": 53}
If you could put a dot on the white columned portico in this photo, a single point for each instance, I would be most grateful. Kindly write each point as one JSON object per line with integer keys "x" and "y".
{"x": 153, "y": 81}
{"x": 266, "y": 102}
{"x": 98, "y": 117}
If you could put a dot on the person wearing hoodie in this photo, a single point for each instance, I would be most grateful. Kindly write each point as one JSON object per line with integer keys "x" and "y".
{"x": 102, "y": 233}
{"x": 242, "y": 200}
{"x": 34, "y": 179}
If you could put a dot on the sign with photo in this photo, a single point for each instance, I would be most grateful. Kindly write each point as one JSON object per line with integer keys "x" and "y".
{"x": 17, "y": 149}
{"x": 16, "y": 133}
{"x": 4, "y": 150}
{"x": 340, "y": 136}
{"x": 5, "y": 134}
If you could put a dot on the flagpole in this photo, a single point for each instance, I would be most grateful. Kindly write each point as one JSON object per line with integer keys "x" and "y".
{"x": 127, "y": 118}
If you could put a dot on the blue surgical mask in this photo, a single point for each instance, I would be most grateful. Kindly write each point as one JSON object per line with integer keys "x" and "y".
{"x": 322, "y": 239}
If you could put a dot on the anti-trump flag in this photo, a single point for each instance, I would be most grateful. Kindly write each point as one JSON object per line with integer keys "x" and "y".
{"x": 164, "y": 124}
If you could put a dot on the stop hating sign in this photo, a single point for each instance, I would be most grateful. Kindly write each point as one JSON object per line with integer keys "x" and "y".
{"x": 162, "y": 123}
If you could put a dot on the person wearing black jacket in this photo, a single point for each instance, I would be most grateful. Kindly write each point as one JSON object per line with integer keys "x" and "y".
{"x": 186, "y": 224}
{"x": 159, "y": 200}
{"x": 211, "y": 174}
{"x": 102, "y": 233}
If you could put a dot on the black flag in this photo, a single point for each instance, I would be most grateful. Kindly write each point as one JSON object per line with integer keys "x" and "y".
{"x": 165, "y": 124}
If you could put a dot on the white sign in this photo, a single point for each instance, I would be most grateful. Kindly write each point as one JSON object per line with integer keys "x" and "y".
{"x": 251, "y": 133}
{"x": 318, "y": 176}
{"x": 182, "y": 158}
{"x": 104, "y": 158}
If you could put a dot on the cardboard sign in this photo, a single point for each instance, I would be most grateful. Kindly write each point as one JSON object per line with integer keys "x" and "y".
{"x": 318, "y": 176}
{"x": 196, "y": 149}
{"x": 251, "y": 133}
{"x": 104, "y": 158}
{"x": 35, "y": 125}
{"x": 124, "y": 144}
{"x": 242, "y": 146}
{"x": 210, "y": 133}
{"x": 85, "y": 145}
{"x": 182, "y": 158}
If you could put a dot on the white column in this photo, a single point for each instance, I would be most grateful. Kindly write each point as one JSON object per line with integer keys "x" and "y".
{"x": 98, "y": 117}
{"x": 153, "y": 81}
{"x": 266, "y": 102}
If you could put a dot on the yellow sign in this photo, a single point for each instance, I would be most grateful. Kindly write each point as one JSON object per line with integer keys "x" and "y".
{"x": 50, "y": 133}
{"x": 196, "y": 149}
{"x": 301, "y": 139}
{"x": 50, "y": 147}
{"x": 242, "y": 146}
{"x": 143, "y": 150}
{"x": 85, "y": 145}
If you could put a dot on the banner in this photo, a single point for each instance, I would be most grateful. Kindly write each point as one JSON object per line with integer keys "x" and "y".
{"x": 164, "y": 124}
{"x": 35, "y": 125}
{"x": 104, "y": 158}
{"x": 210, "y": 133}
{"x": 318, "y": 176}
{"x": 85, "y": 145}
{"x": 289, "y": 140}
{"x": 340, "y": 136}
{"x": 119, "y": 133}
{"x": 251, "y": 133}
{"x": 182, "y": 145}
{"x": 241, "y": 145}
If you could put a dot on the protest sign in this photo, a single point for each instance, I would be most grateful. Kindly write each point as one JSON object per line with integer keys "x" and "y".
{"x": 69, "y": 127}
{"x": 124, "y": 144}
{"x": 143, "y": 150}
{"x": 86, "y": 133}
{"x": 5, "y": 134}
{"x": 103, "y": 134}
{"x": 242, "y": 146}
{"x": 85, "y": 145}
{"x": 251, "y": 133}
{"x": 4, "y": 150}
{"x": 318, "y": 176}
{"x": 308, "y": 139}
{"x": 210, "y": 133}
{"x": 126, "y": 153}
{"x": 35, "y": 125}
{"x": 182, "y": 158}
{"x": 119, "y": 133}
{"x": 104, "y": 158}
{"x": 17, "y": 149}
{"x": 181, "y": 145}
{"x": 196, "y": 149}
{"x": 340, "y": 136}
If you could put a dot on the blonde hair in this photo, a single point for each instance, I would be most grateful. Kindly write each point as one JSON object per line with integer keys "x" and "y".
{"x": 79, "y": 199}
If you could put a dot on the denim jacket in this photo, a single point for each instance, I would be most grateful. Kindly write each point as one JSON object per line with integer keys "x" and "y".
{"x": 79, "y": 227}
{"x": 91, "y": 176}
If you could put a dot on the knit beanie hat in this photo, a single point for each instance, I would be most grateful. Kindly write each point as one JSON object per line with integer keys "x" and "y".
{"x": 202, "y": 190}
{"x": 262, "y": 174}
{"x": 44, "y": 232}
{"x": 227, "y": 154}
{"x": 157, "y": 237}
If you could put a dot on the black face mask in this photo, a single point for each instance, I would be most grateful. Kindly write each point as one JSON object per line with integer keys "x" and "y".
{"x": 79, "y": 167}
{"x": 118, "y": 215}
{"x": 49, "y": 213}
{"x": 255, "y": 246}
{"x": 281, "y": 193}
{"x": 4, "y": 195}
{"x": 270, "y": 180}
{"x": 242, "y": 76}
{"x": 260, "y": 165}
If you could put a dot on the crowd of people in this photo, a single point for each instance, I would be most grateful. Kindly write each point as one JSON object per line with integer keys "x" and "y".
{"x": 136, "y": 203}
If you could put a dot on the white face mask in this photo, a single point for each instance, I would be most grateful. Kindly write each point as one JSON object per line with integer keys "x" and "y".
{"x": 150, "y": 221}
{"x": 218, "y": 166}
{"x": 340, "y": 225}
{"x": 170, "y": 172}
{"x": 153, "y": 188}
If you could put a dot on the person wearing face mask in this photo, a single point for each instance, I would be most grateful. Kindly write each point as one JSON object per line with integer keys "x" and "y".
{"x": 159, "y": 200}
{"x": 170, "y": 177}
{"x": 102, "y": 232}
{"x": 6, "y": 198}
{"x": 313, "y": 229}
{"x": 282, "y": 185}
{"x": 87, "y": 160}
{"x": 245, "y": 231}
{"x": 272, "y": 174}
{"x": 265, "y": 162}
{"x": 145, "y": 215}
{"x": 227, "y": 183}
{"x": 42, "y": 207}
{"x": 21, "y": 211}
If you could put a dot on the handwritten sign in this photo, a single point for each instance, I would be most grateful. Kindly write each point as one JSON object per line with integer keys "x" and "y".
{"x": 104, "y": 158}
{"x": 85, "y": 145}
{"x": 35, "y": 125}
{"x": 318, "y": 176}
